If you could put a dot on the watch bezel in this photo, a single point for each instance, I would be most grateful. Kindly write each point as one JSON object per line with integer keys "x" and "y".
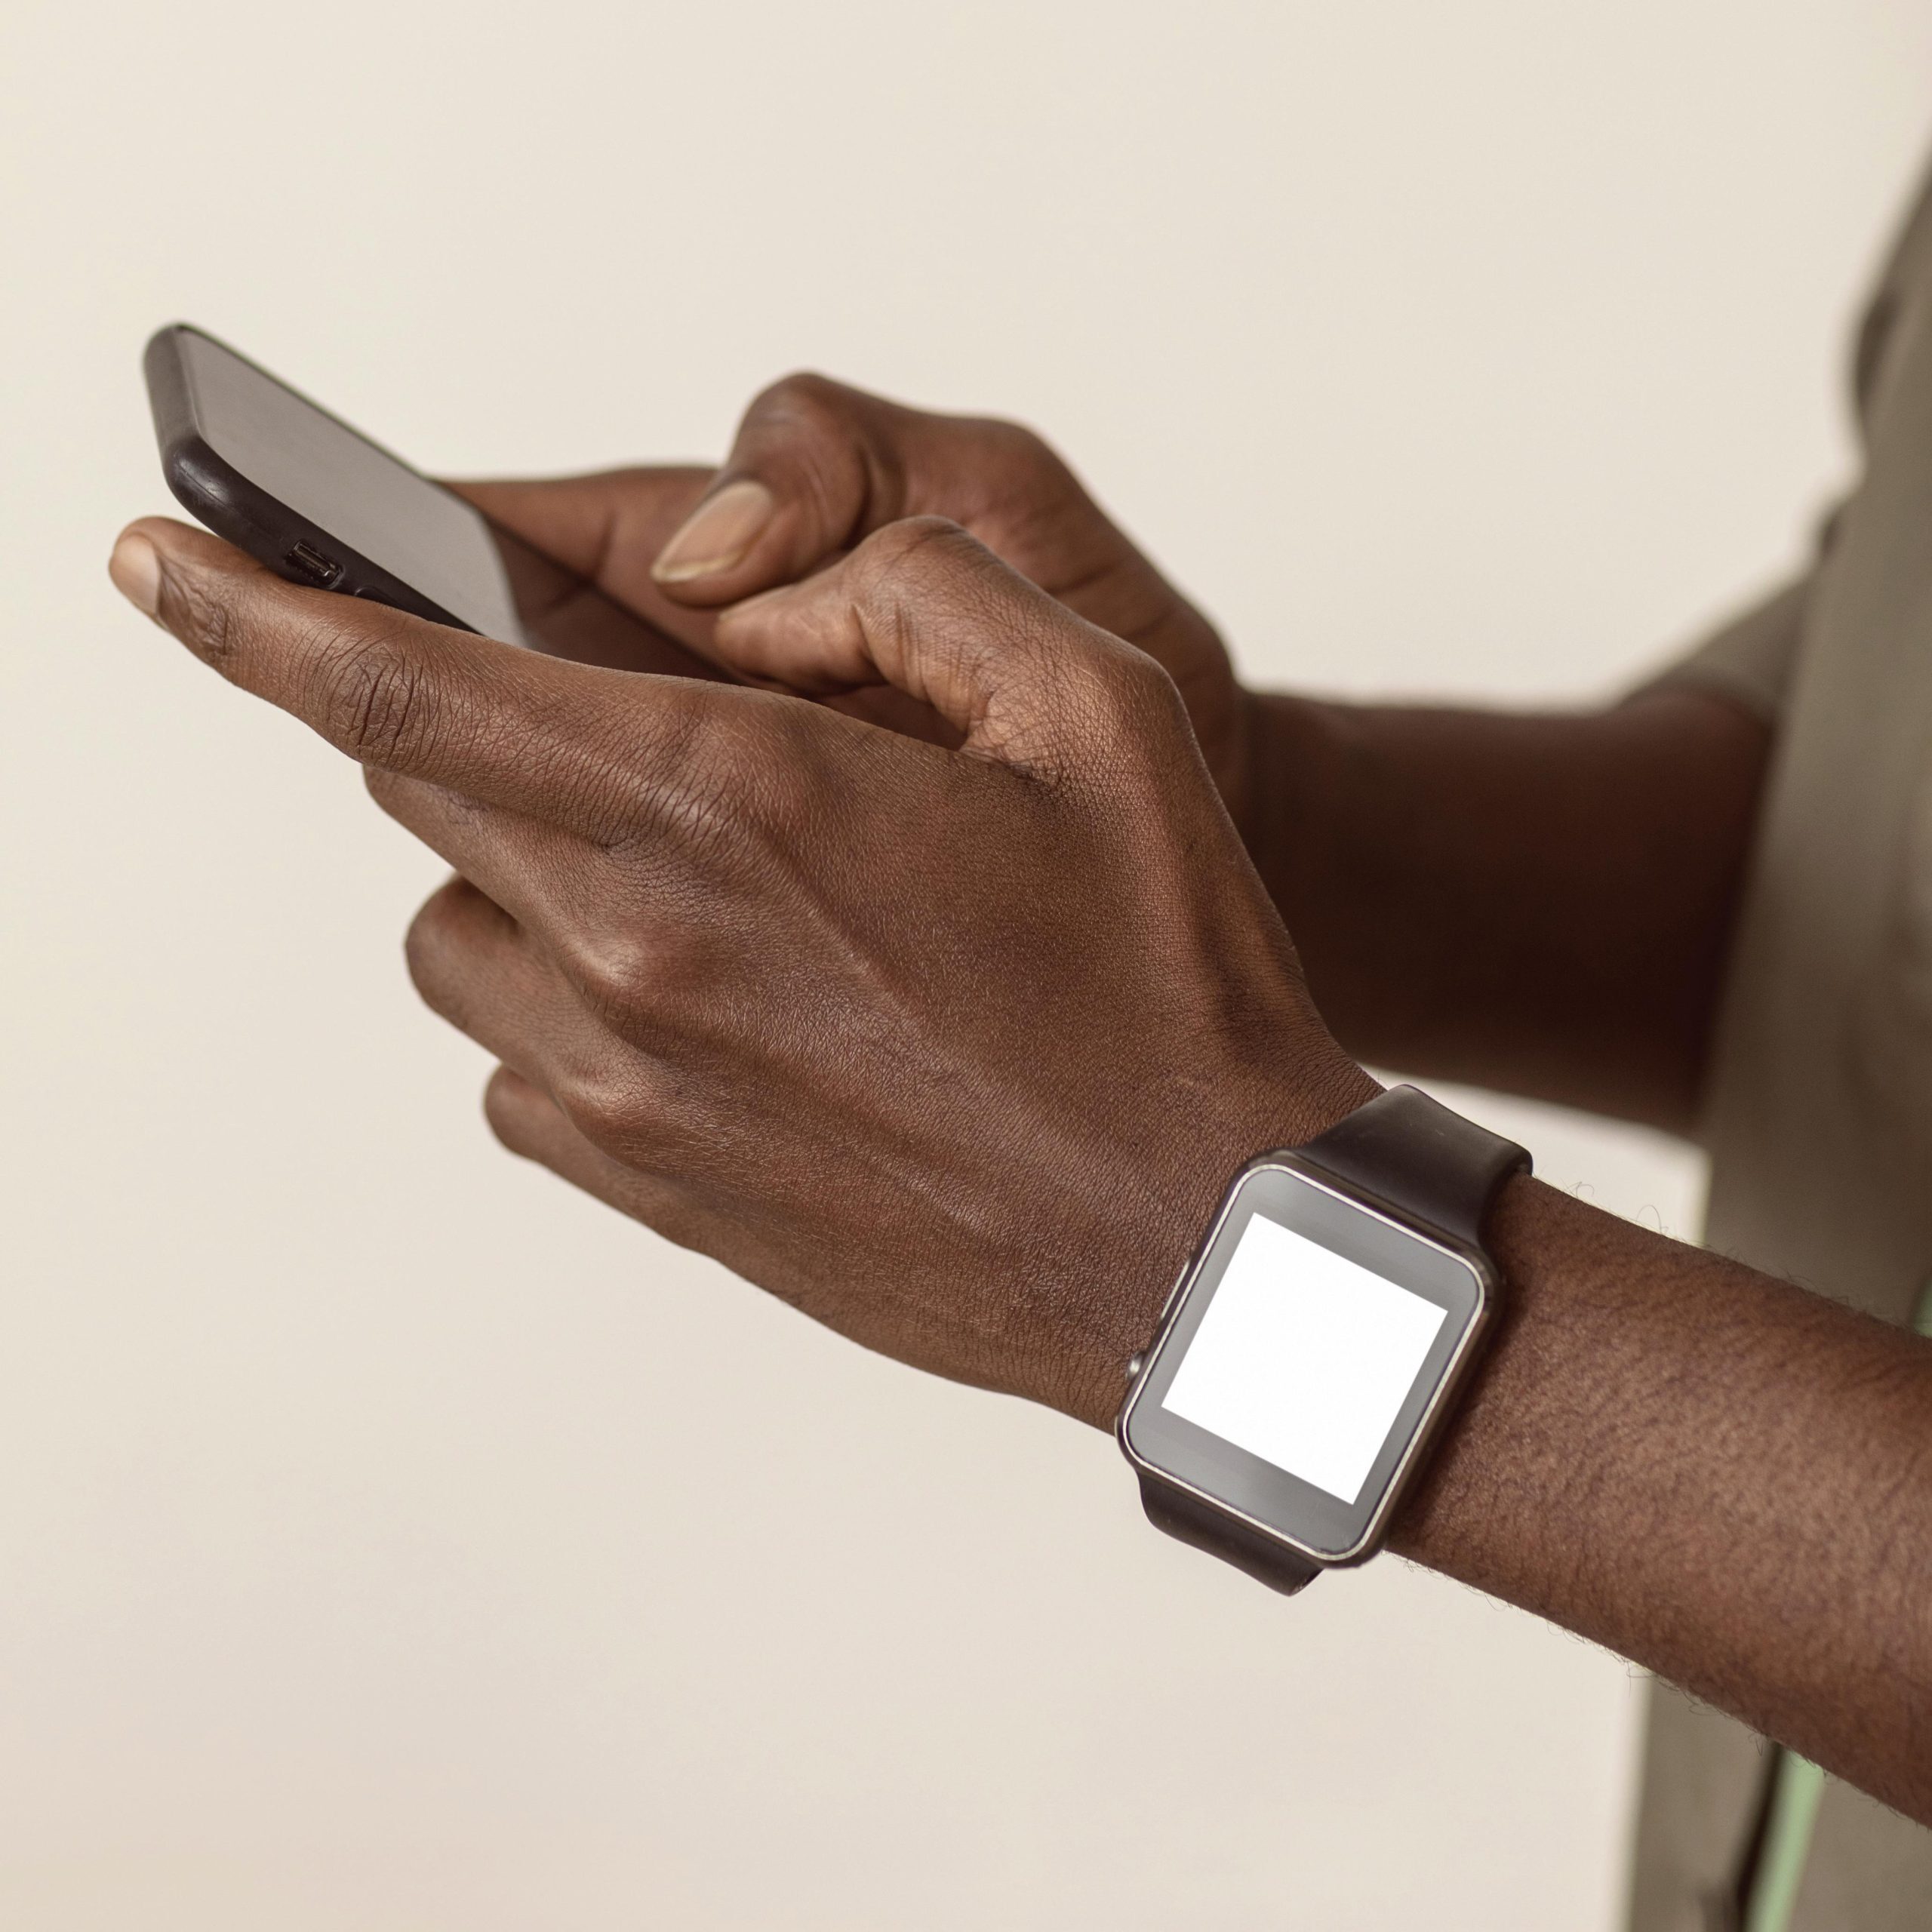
{"x": 1187, "y": 1302}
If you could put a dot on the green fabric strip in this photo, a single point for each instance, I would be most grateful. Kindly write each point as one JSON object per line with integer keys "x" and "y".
{"x": 1798, "y": 1785}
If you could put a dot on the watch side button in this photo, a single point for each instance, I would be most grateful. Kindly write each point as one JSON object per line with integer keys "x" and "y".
{"x": 1136, "y": 1363}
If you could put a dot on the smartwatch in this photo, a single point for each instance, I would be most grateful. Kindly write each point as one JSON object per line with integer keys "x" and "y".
{"x": 1317, "y": 1339}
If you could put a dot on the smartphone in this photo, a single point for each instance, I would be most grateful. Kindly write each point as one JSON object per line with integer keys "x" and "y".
{"x": 321, "y": 504}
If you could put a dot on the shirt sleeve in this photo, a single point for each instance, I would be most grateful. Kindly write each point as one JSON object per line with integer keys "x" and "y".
{"x": 1751, "y": 660}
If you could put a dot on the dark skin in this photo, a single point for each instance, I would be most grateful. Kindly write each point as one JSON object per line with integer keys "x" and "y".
{"x": 1540, "y": 904}
{"x": 953, "y": 1039}
{"x": 1536, "y": 903}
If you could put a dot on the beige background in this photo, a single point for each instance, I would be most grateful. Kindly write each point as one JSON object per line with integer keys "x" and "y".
{"x": 390, "y": 1540}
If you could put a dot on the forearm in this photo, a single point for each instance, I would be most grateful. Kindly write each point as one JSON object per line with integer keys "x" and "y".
{"x": 1536, "y": 903}
{"x": 1710, "y": 1472}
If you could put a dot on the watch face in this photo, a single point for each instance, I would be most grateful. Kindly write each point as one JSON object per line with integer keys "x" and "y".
{"x": 1309, "y": 1347}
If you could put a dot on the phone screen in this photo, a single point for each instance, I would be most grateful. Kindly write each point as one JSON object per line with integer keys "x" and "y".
{"x": 345, "y": 485}
{"x": 445, "y": 558}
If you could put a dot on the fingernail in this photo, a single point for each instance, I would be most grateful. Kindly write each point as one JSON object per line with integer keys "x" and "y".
{"x": 717, "y": 534}
{"x": 135, "y": 568}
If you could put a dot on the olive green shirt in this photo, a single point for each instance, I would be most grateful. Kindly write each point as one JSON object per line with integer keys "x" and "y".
{"x": 1819, "y": 1116}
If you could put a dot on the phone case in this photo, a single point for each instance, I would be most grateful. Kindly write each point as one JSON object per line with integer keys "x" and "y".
{"x": 214, "y": 492}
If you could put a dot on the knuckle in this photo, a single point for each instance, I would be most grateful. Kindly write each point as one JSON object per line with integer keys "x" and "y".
{"x": 1040, "y": 506}
{"x": 426, "y": 951}
{"x": 433, "y": 949}
{"x": 586, "y": 1116}
{"x": 1142, "y": 681}
{"x": 653, "y": 985}
{"x": 513, "y": 1108}
{"x": 1118, "y": 694}
{"x": 646, "y": 1116}
{"x": 615, "y": 969}
{"x": 374, "y": 700}
{"x": 808, "y": 437}
{"x": 207, "y": 620}
{"x": 804, "y": 396}
{"x": 915, "y": 553}
{"x": 1012, "y": 451}
{"x": 611, "y": 1113}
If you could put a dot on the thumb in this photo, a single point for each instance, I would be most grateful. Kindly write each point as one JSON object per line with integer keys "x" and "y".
{"x": 924, "y": 607}
{"x": 817, "y": 467}
{"x": 814, "y": 467}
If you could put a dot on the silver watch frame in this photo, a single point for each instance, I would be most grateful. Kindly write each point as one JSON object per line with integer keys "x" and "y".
{"x": 1439, "y": 1405}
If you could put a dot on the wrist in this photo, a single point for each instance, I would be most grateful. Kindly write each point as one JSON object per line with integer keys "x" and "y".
{"x": 1254, "y": 1111}
{"x": 1320, "y": 1339}
{"x": 1482, "y": 1466}
{"x": 1289, "y": 780}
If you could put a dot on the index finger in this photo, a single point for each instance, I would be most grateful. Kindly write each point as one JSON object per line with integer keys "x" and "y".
{"x": 509, "y": 726}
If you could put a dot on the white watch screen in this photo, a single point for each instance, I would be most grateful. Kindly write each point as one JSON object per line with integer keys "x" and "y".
{"x": 1303, "y": 1359}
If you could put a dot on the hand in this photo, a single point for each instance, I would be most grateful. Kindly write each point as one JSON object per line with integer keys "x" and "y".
{"x": 953, "y": 1048}
{"x": 817, "y": 467}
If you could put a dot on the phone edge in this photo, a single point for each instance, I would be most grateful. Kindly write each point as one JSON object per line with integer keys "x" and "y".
{"x": 240, "y": 511}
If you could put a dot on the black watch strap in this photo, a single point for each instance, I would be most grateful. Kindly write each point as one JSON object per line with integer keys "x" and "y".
{"x": 1433, "y": 1167}
{"x": 1184, "y": 1515}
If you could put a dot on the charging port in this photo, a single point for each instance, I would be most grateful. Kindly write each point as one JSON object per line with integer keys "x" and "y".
{"x": 313, "y": 565}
